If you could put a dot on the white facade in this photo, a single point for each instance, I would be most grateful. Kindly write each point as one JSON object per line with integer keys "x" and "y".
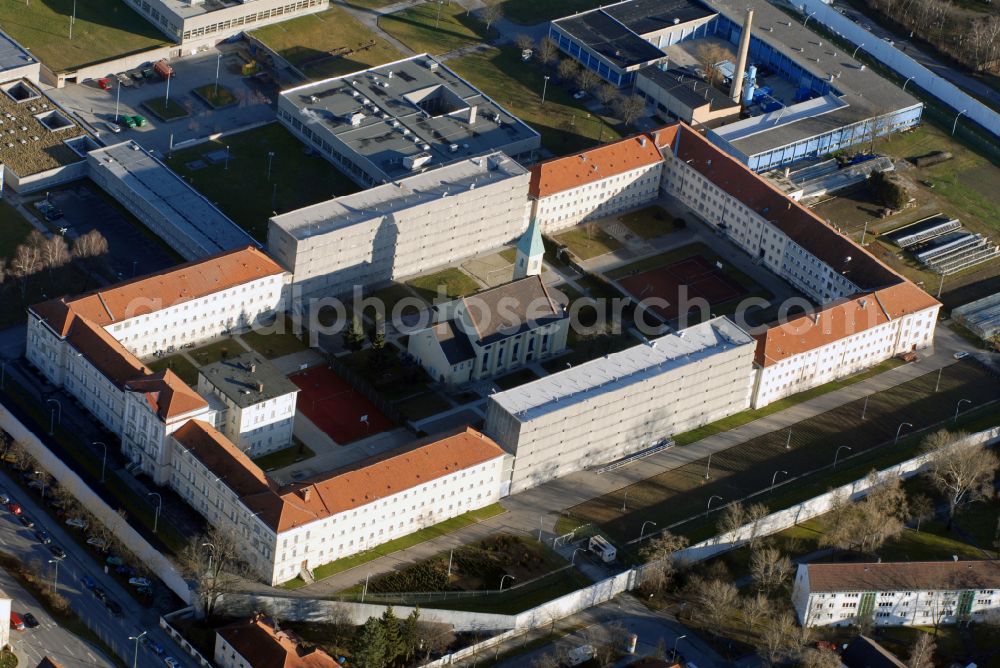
{"x": 611, "y": 407}
{"x": 921, "y": 603}
{"x": 258, "y": 428}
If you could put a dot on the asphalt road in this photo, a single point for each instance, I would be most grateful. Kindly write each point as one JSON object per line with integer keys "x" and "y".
{"x": 20, "y": 541}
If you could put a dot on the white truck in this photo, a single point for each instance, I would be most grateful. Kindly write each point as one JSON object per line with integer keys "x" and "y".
{"x": 578, "y": 655}
{"x": 604, "y": 550}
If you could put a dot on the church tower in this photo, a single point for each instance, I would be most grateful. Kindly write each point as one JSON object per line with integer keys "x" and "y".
{"x": 528, "y": 261}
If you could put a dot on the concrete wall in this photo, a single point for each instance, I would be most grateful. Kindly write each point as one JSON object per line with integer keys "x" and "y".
{"x": 47, "y": 179}
{"x": 114, "y": 66}
{"x": 68, "y": 478}
{"x": 903, "y": 65}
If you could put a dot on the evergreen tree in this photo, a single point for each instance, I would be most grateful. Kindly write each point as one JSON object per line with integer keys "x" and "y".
{"x": 368, "y": 648}
{"x": 354, "y": 336}
{"x": 393, "y": 637}
{"x": 411, "y": 634}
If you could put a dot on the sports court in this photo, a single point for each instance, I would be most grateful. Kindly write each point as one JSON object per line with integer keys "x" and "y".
{"x": 701, "y": 279}
{"x": 335, "y": 407}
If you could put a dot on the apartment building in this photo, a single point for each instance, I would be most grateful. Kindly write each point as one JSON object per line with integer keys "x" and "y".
{"x": 909, "y": 593}
{"x": 91, "y": 345}
{"x": 625, "y": 402}
{"x": 259, "y": 643}
{"x": 603, "y": 181}
{"x": 286, "y": 530}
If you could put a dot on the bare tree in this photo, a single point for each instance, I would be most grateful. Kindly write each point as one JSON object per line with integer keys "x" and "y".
{"x": 755, "y": 512}
{"x": 90, "y": 245}
{"x": 607, "y": 94}
{"x": 213, "y": 561}
{"x": 547, "y": 51}
{"x": 869, "y": 523}
{"x": 587, "y": 79}
{"x": 754, "y": 609}
{"x": 630, "y": 108}
{"x": 492, "y": 13}
{"x": 55, "y": 252}
{"x": 819, "y": 658}
{"x": 20, "y": 458}
{"x": 921, "y": 508}
{"x": 26, "y": 263}
{"x": 661, "y": 566}
{"x": 962, "y": 474}
{"x": 781, "y": 639}
{"x": 712, "y": 600}
{"x": 710, "y": 55}
{"x": 524, "y": 42}
{"x": 769, "y": 568}
{"x": 922, "y": 654}
{"x": 567, "y": 69}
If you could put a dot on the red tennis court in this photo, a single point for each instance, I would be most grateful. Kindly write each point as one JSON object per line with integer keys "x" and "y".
{"x": 335, "y": 407}
{"x": 690, "y": 279}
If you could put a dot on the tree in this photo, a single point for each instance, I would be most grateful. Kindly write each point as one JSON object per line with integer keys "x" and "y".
{"x": 393, "y": 635}
{"x": 567, "y": 69}
{"x": 711, "y": 600}
{"x": 710, "y": 55}
{"x": 886, "y": 190}
{"x": 90, "y": 247}
{"x": 369, "y": 647}
{"x": 548, "y": 52}
{"x": 607, "y": 95}
{"x": 732, "y": 518}
{"x": 769, "y": 568}
{"x": 754, "y": 608}
{"x": 631, "y": 108}
{"x": 661, "y": 565}
{"x": 587, "y": 79}
{"x": 869, "y": 523}
{"x": 55, "y": 252}
{"x": 376, "y": 336}
{"x": 921, "y": 508}
{"x": 354, "y": 336}
{"x": 524, "y": 42}
{"x": 492, "y": 13}
{"x": 961, "y": 473}
{"x": 819, "y": 658}
{"x": 213, "y": 561}
{"x": 435, "y": 638}
{"x": 922, "y": 654}
{"x": 411, "y": 635}
{"x": 26, "y": 263}
{"x": 781, "y": 639}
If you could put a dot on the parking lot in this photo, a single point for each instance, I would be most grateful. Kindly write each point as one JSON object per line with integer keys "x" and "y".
{"x": 95, "y": 106}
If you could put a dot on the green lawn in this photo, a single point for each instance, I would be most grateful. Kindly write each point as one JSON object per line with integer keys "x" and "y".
{"x": 167, "y": 110}
{"x": 565, "y": 125}
{"x": 215, "y": 352}
{"x": 649, "y": 222}
{"x": 423, "y": 406}
{"x": 392, "y": 295}
{"x": 104, "y": 29}
{"x": 180, "y": 365}
{"x": 440, "y": 529}
{"x": 215, "y": 96}
{"x": 454, "y": 283}
{"x": 243, "y": 191}
{"x": 14, "y": 229}
{"x": 435, "y": 28}
{"x": 273, "y": 345}
{"x": 296, "y": 452}
{"x": 530, "y": 12}
{"x": 587, "y": 241}
{"x": 327, "y": 44}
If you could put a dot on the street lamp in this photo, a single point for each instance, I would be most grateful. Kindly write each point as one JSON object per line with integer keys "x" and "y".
{"x": 270, "y": 157}
{"x": 218, "y": 64}
{"x": 710, "y": 499}
{"x": 908, "y": 80}
{"x": 775, "y": 477}
{"x": 837, "y": 454}
{"x": 52, "y": 415}
{"x": 958, "y": 407}
{"x": 625, "y": 500}
{"x": 856, "y": 50}
{"x": 135, "y": 655}
{"x": 55, "y": 574}
{"x": 899, "y": 429}
{"x": 806, "y": 22}
{"x": 226, "y": 168}
{"x": 708, "y": 466}
{"x": 104, "y": 459}
{"x": 572, "y": 561}
{"x": 545, "y": 85}
{"x": 210, "y": 555}
{"x": 72, "y": 20}
{"x": 788, "y": 441}
{"x": 673, "y": 652}
{"x": 118, "y": 99}
{"x": 642, "y": 529}
{"x": 511, "y": 577}
{"x": 954, "y": 125}
{"x": 159, "y": 506}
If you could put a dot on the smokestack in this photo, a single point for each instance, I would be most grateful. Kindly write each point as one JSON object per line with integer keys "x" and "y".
{"x": 741, "y": 59}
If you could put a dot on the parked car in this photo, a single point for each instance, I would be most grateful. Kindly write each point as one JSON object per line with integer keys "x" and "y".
{"x": 14, "y": 508}
{"x": 579, "y": 95}
{"x": 98, "y": 543}
{"x": 4, "y": 498}
{"x": 26, "y": 521}
{"x": 43, "y": 537}
{"x": 16, "y": 622}
{"x": 113, "y": 608}
{"x": 112, "y": 127}
{"x": 172, "y": 662}
{"x": 30, "y": 621}
{"x": 88, "y": 582}
{"x": 961, "y": 355}
{"x": 139, "y": 582}
{"x": 57, "y": 551}
{"x": 115, "y": 561}
{"x": 77, "y": 523}
{"x": 127, "y": 121}
{"x": 154, "y": 647}
{"x": 99, "y": 593}
{"x": 104, "y": 83}
{"x": 144, "y": 591}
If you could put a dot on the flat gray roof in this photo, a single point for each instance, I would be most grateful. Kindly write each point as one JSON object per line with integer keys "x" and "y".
{"x": 621, "y": 369}
{"x": 864, "y": 93}
{"x": 689, "y": 89}
{"x": 248, "y": 379}
{"x": 414, "y": 109}
{"x": 12, "y": 54}
{"x": 341, "y": 212}
{"x": 191, "y": 214}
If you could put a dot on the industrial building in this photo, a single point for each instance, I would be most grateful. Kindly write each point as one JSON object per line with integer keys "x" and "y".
{"x": 392, "y": 121}
{"x": 197, "y": 22}
{"x": 402, "y": 228}
{"x": 164, "y": 202}
{"x": 981, "y": 317}
{"x": 614, "y": 406}
{"x": 16, "y": 62}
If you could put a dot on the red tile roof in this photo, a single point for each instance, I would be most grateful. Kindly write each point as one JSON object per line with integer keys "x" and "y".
{"x": 904, "y": 576}
{"x": 572, "y": 171}
{"x": 257, "y": 641}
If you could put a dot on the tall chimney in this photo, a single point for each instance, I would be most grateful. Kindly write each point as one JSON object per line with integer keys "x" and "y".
{"x": 741, "y": 59}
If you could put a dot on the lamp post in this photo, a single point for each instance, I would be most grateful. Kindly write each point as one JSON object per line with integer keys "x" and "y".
{"x": 673, "y": 652}
{"x": 864, "y": 407}
{"x": 270, "y": 157}
{"x": 710, "y": 499}
{"x": 52, "y": 415}
{"x": 775, "y": 477}
{"x": 364, "y": 592}
{"x": 218, "y": 64}
{"x": 55, "y": 574}
{"x": 788, "y": 441}
{"x": 210, "y": 556}
{"x": 642, "y": 529}
{"x": 954, "y": 125}
{"x": 166, "y": 99}
{"x": 545, "y": 86}
{"x": 572, "y": 560}
{"x": 135, "y": 655}
{"x": 625, "y": 500}
{"x": 937, "y": 385}
{"x": 159, "y": 506}
{"x": 806, "y": 22}
{"x": 118, "y": 99}
{"x": 908, "y": 80}
{"x": 72, "y": 20}
{"x": 899, "y": 429}
{"x": 958, "y": 407}
{"x": 856, "y": 50}
{"x": 104, "y": 459}
{"x": 3, "y": 371}
{"x": 511, "y": 577}
{"x": 708, "y": 466}
{"x": 836, "y": 455}
{"x": 226, "y": 168}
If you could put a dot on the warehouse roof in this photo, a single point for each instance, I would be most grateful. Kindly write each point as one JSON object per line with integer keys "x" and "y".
{"x": 614, "y": 371}
{"x": 572, "y": 171}
{"x": 12, "y": 54}
{"x": 903, "y": 576}
{"x": 981, "y": 316}
{"x": 201, "y": 224}
{"x": 414, "y": 109}
{"x": 689, "y": 90}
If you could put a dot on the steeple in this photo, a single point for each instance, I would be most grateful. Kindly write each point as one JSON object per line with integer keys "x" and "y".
{"x": 530, "y": 249}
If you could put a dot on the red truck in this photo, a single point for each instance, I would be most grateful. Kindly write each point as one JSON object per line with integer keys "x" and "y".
{"x": 105, "y": 84}
{"x": 163, "y": 69}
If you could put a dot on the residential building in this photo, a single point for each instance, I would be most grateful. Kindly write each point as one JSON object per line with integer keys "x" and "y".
{"x": 165, "y": 203}
{"x": 195, "y": 23}
{"x": 492, "y": 332}
{"x": 289, "y": 529}
{"x": 259, "y": 402}
{"x": 91, "y": 345}
{"x": 618, "y": 39}
{"x": 402, "y": 228}
{"x": 389, "y": 122}
{"x": 259, "y": 643}
{"x": 625, "y": 402}
{"x": 603, "y": 181}
{"x": 907, "y": 593}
